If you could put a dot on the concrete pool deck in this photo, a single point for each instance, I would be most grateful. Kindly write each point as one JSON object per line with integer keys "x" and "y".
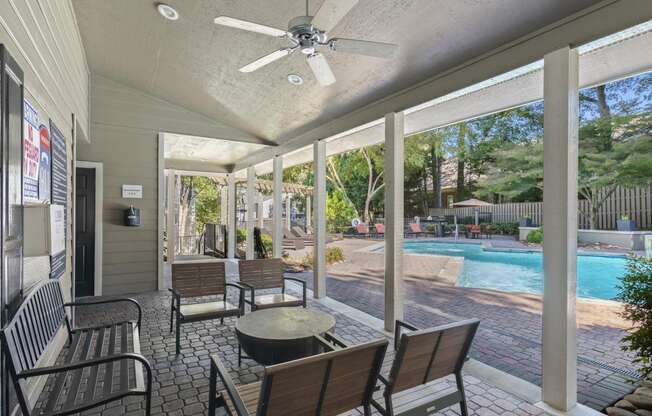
{"x": 510, "y": 334}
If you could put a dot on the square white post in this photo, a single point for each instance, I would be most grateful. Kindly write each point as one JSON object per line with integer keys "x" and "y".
{"x": 223, "y": 205}
{"x": 308, "y": 211}
{"x": 259, "y": 211}
{"x": 277, "y": 208}
{"x": 394, "y": 154}
{"x": 288, "y": 211}
{"x": 251, "y": 211}
{"x": 319, "y": 191}
{"x": 560, "y": 151}
{"x": 171, "y": 223}
{"x": 230, "y": 215}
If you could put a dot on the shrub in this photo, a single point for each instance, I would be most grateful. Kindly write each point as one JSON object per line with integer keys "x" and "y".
{"x": 339, "y": 211}
{"x": 241, "y": 235}
{"x": 267, "y": 242}
{"x": 636, "y": 294}
{"x": 430, "y": 228}
{"x": 535, "y": 236}
{"x": 333, "y": 255}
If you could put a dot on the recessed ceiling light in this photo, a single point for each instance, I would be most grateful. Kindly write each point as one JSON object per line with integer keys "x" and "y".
{"x": 167, "y": 11}
{"x": 295, "y": 79}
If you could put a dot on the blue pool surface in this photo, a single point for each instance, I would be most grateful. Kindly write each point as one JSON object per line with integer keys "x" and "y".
{"x": 598, "y": 276}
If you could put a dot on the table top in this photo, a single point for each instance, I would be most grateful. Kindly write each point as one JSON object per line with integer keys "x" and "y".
{"x": 284, "y": 323}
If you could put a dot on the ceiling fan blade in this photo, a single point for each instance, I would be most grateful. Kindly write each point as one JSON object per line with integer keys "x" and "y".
{"x": 249, "y": 26}
{"x": 331, "y": 12}
{"x": 317, "y": 62}
{"x": 364, "y": 47}
{"x": 267, "y": 59}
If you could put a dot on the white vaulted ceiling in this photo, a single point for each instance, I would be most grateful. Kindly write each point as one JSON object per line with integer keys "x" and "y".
{"x": 194, "y": 64}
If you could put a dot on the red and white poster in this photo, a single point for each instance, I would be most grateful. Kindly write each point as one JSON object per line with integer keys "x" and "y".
{"x": 31, "y": 153}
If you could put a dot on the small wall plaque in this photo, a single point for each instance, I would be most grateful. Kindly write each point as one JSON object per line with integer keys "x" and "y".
{"x": 132, "y": 191}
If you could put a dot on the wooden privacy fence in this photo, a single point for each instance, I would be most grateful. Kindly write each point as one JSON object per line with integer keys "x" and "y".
{"x": 635, "y": 202}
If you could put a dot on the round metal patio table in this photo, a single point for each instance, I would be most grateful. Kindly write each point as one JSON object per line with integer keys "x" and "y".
{"x": 276, "y": 335}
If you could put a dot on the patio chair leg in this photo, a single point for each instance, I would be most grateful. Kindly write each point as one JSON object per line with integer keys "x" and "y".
{"x": 367, "y": 409}
{"x": 212, "y": 390}
{"x": 239, "y": 355}
{"x": 171, "y": 317}
{"x": 221, "y": 321}
{"x": 389, "y": 406}
{"x": 178, "y": 336}
{"x": 460, "y": 386}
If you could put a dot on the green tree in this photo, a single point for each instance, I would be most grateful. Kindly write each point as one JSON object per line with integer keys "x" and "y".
{"x": 339, "y": 211}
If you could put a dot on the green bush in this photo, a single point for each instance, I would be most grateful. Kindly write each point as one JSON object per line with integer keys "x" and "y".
{"x": 535, "y": 236}
{"x": 267, "y": 242}
{"x": 241, "y": 235}
{"x": 636, "y": 294}
{"x": 333, "y": 255}
{"x": 339, "y": 212}
{"x": 430, "y": 228}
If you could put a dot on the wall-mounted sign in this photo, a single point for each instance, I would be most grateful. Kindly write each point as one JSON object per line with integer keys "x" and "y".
{"x": 132, "y": 191}
{"x": 59, "y": 192}
{"x": 44, "y": 169}
{"x": 31, "y": 154}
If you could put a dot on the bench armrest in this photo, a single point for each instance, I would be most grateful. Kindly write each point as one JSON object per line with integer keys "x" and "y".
{"x": 397, "y": 331}
{"x": 113, "y": 300}
{"x": 241, "y": 291}
{"x": 247, "y": 286}
{"x": 42, "y": 371}
{"x": 303, "y": 287}
{"x": 218, "y": 369}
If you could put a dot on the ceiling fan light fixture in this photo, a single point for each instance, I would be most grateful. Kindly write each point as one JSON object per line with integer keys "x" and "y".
{"x": 167, "y": 11}
{"x": 295, "y": 79}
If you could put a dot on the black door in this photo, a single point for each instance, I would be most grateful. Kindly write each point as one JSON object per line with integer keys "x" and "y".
{"x": 11, "y": 202}
{"x": 85, "y": 233}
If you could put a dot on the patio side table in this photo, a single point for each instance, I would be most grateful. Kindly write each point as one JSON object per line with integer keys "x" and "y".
{"x": 277, "y": 335}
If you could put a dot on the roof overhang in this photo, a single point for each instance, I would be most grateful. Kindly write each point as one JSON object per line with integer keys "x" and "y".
{"x": 596, "y": 22}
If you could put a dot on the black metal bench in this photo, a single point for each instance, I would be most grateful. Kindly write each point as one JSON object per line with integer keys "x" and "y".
{"x": 102, "y": 364}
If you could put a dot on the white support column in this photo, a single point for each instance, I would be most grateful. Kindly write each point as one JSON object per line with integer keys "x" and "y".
{"x": 171, "y": 223}
{"x": 319, "y": 249}
{"x": 560, "y": 151}
{"x": 308, "y": 210}
{"x": 259, "y": 210}
{"x": 223, "y": 205}
{"x": 251, "y": 211}
{"x": 394, "y": 154}
{"x": 230, "y": 215}
{"x": 277, "y": 208}
{"x": 288, "y": 211}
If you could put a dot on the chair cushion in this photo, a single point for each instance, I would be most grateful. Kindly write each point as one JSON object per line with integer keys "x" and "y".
{"x": 249, "y": 393}
{"x": 275, "y": 300}
{"x": 195, "y": 310}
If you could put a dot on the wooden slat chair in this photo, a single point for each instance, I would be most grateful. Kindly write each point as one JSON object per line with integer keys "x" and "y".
{"x": 268, "y": 274}
{"x": 103, "y": 363}
{"x": 191, "y": 280}
{"x": 325, "y": 384}
{"x": 423, "y": 356}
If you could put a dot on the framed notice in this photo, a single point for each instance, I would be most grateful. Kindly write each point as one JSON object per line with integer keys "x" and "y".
{"x": 59, "y": 192}
{"x": 31, "y": 151}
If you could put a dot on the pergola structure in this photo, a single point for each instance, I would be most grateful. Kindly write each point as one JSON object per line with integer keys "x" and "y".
{"x": 227, "y": 192}
{"x": 525, "y": 71}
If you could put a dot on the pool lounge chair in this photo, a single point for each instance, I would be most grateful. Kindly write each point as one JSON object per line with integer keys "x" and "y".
{"x": 416, "y": 231}
{"x": 380, "y": 230}
{"x": 362, "y": 230}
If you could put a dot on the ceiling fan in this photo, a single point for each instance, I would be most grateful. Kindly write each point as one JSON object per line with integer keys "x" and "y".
{"x": 308, "y": 34}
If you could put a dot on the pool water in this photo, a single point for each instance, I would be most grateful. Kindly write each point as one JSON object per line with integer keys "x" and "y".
{"x": 598, "y": 276}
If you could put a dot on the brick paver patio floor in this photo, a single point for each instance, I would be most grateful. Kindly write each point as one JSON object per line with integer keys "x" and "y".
{"x": 510, "y": 332}
{"x": 180, "y": 384}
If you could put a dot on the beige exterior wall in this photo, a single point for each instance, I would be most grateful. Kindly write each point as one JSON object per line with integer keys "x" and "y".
{"x": 125, "y": 124}
{"x": 42, "y": 37}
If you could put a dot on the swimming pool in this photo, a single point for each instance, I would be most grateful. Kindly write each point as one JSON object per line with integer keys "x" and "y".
{"x": 598, "y": 276}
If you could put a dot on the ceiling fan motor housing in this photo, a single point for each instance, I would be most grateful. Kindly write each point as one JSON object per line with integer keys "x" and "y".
{"x": 307, "y": 36}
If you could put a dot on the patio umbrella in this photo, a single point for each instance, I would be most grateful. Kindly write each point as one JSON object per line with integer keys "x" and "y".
{"x": 472, "y": 203}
